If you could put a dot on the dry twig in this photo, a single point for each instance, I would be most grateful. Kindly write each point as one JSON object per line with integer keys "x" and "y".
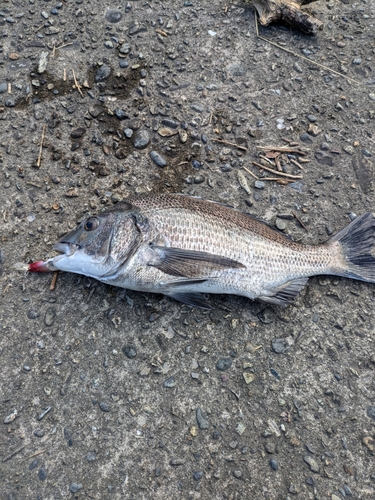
{"x": 299, "y": 220}
{"x": 54, "y": 279}
{"x": 282, "y": 174}
{"x": 41, "y": 147}
{"x": 76, "y": 83}
{"x": 230, "y": 144}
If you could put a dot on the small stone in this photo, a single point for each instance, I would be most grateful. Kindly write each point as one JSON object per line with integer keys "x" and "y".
{"x": 237, "y": 474}
{"x": 335, "y": 497}
{"x": 158, "y": 159}
{"x": 311, "y": 118}
{"x": 283, "y": 345}
{"x": 104, "y": 406}
{"x": 38, "y": 433}
{"x": 312, "y": 463}
{"x": 240, "y": 428}
{"x": 33, "y": 465}
{"x": 43, "y": 61}
{"x": 125, "y": 48}
{"x": 136, "y": 27}
{"x": 3, "y": 87}
{"x": 193, "y": 431}
{"x": 274, "y": 465}
{"x": 113, "y": 15}
{"x": 128, "y": 132}
{"x": 305, "y": 137}
{"x": 223, "y": 364}
{"x": 313, "y": 130}
{"x": 310, "y": 481}
{"x": 248, "y": 377}
{"x": 202, "y": 422}
{"x": 197, "y": 107}
{"x": 77, "y": 133}
{"x": 129, "y": 351}
{"x": 120, "y": 114}
{"x": 74, "y": 487}
{"x": 9, "y": 418}
{"x": 123, "y": 63}
{"x": 369, "y": 442}
{"x": 102, "y": 73}
{"x": 176, "y": 461}
{"x": 13, "y": 56}
{"x": 237, "y": 69}
{"x": 259, "y": 184}
{"x": 10, "y": 102}
{"x": 198, "y": 475}
{"x": 370, "y": 412}
{"x": 90, "y": 457}
{"x": 42, "y": 474}
{"x": 170, "y": 382}
{"x": 141, "y": 139}
{"x": 281, "y": 224}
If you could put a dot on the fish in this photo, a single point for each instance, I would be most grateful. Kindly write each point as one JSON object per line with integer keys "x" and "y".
{"x": 186, "y": 247}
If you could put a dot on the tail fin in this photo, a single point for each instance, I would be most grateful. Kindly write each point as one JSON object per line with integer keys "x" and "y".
{"x": 358, "y": 246}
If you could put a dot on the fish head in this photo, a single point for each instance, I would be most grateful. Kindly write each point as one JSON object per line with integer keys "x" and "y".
{"x": 100, "y": 244}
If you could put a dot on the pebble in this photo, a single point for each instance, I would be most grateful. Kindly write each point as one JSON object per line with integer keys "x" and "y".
{"x": 170, "y": 382}
{"x": 311, "y": 118}
{"x": 113, "y": 15}
{"x": 90, "y": 457}
{"x": 283, "y": 345}
{"x": 33, "y": 465}
{"x": 43, "y": 61}
{"x": 128, "y": 132}
{"x": 38, "y": 433}
{"x": 202, "y": 422}
{"x": 281, "y": 224}
{"x": 312, "y": 463}
{"x": 141, "y": 139}
{"x": 197, "y": 107}
{"x": 158, "y": 159}
{"x": 9, "y": 418}
{"x": 176, "y": 461}
{"x": 305, "y": 137}
{"x": 10, "y": 102}
{"x": 237, "y": 474}
{"x": 370, "y": 412}
{"x": 223, "y": 364}
{"x": 3, "y": 87}
{"x": 123, "y": 63}
{"x": 259, "y": 184}
{"x": 102, "y": 73}
{"x": 274, "y": 465}
{"x": 74, "y": 487}
{"x": 197, "y": 475}
{"x": 42, "y": 474}
{"x": 77, "y": 133}
{"x": 121, "y": 114}
{"x": 248, "y": 377}
{"x": 104, "y": 406}
{"x": 129, "y": 351}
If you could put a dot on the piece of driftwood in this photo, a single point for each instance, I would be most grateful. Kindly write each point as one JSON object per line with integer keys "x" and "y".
{"x": 289, "y": 12}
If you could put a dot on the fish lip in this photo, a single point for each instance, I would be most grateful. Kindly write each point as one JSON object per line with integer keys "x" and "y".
{"x": 65, "y": 248}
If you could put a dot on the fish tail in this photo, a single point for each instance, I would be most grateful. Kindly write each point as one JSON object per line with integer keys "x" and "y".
{"x": 357, "y": 242}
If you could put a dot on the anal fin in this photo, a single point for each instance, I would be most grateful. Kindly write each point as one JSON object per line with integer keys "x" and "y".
{"x": 286, "y": 293}
{"x": 191, "y": 299}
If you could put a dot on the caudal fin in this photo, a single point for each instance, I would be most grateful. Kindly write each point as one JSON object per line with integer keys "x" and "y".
{"x": 358, "y": 245}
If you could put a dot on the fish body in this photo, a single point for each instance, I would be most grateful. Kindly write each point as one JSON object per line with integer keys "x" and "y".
{"x": 184, "y": 247}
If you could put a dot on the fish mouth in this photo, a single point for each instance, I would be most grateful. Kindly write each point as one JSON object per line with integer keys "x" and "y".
{"x": 66, "y": 248}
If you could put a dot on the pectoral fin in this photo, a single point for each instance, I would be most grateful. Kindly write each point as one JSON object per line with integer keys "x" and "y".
{"x": 189, "y": 263}
{"x": 286, "y": 293}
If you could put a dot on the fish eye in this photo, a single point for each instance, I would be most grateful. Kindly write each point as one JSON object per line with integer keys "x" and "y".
{"x": 91, "y": 224}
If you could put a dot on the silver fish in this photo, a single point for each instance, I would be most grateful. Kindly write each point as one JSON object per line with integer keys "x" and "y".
{"x": 184, "y": 247}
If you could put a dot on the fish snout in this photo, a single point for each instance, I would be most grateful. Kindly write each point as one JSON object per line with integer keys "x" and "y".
{"x": 66, "y": 248}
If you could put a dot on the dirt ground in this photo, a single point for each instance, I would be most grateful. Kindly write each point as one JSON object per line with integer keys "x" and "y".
{"x": 113, "y": 394}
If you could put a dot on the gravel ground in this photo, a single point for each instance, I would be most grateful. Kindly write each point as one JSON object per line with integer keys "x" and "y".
{"x": 108, "y": 393}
